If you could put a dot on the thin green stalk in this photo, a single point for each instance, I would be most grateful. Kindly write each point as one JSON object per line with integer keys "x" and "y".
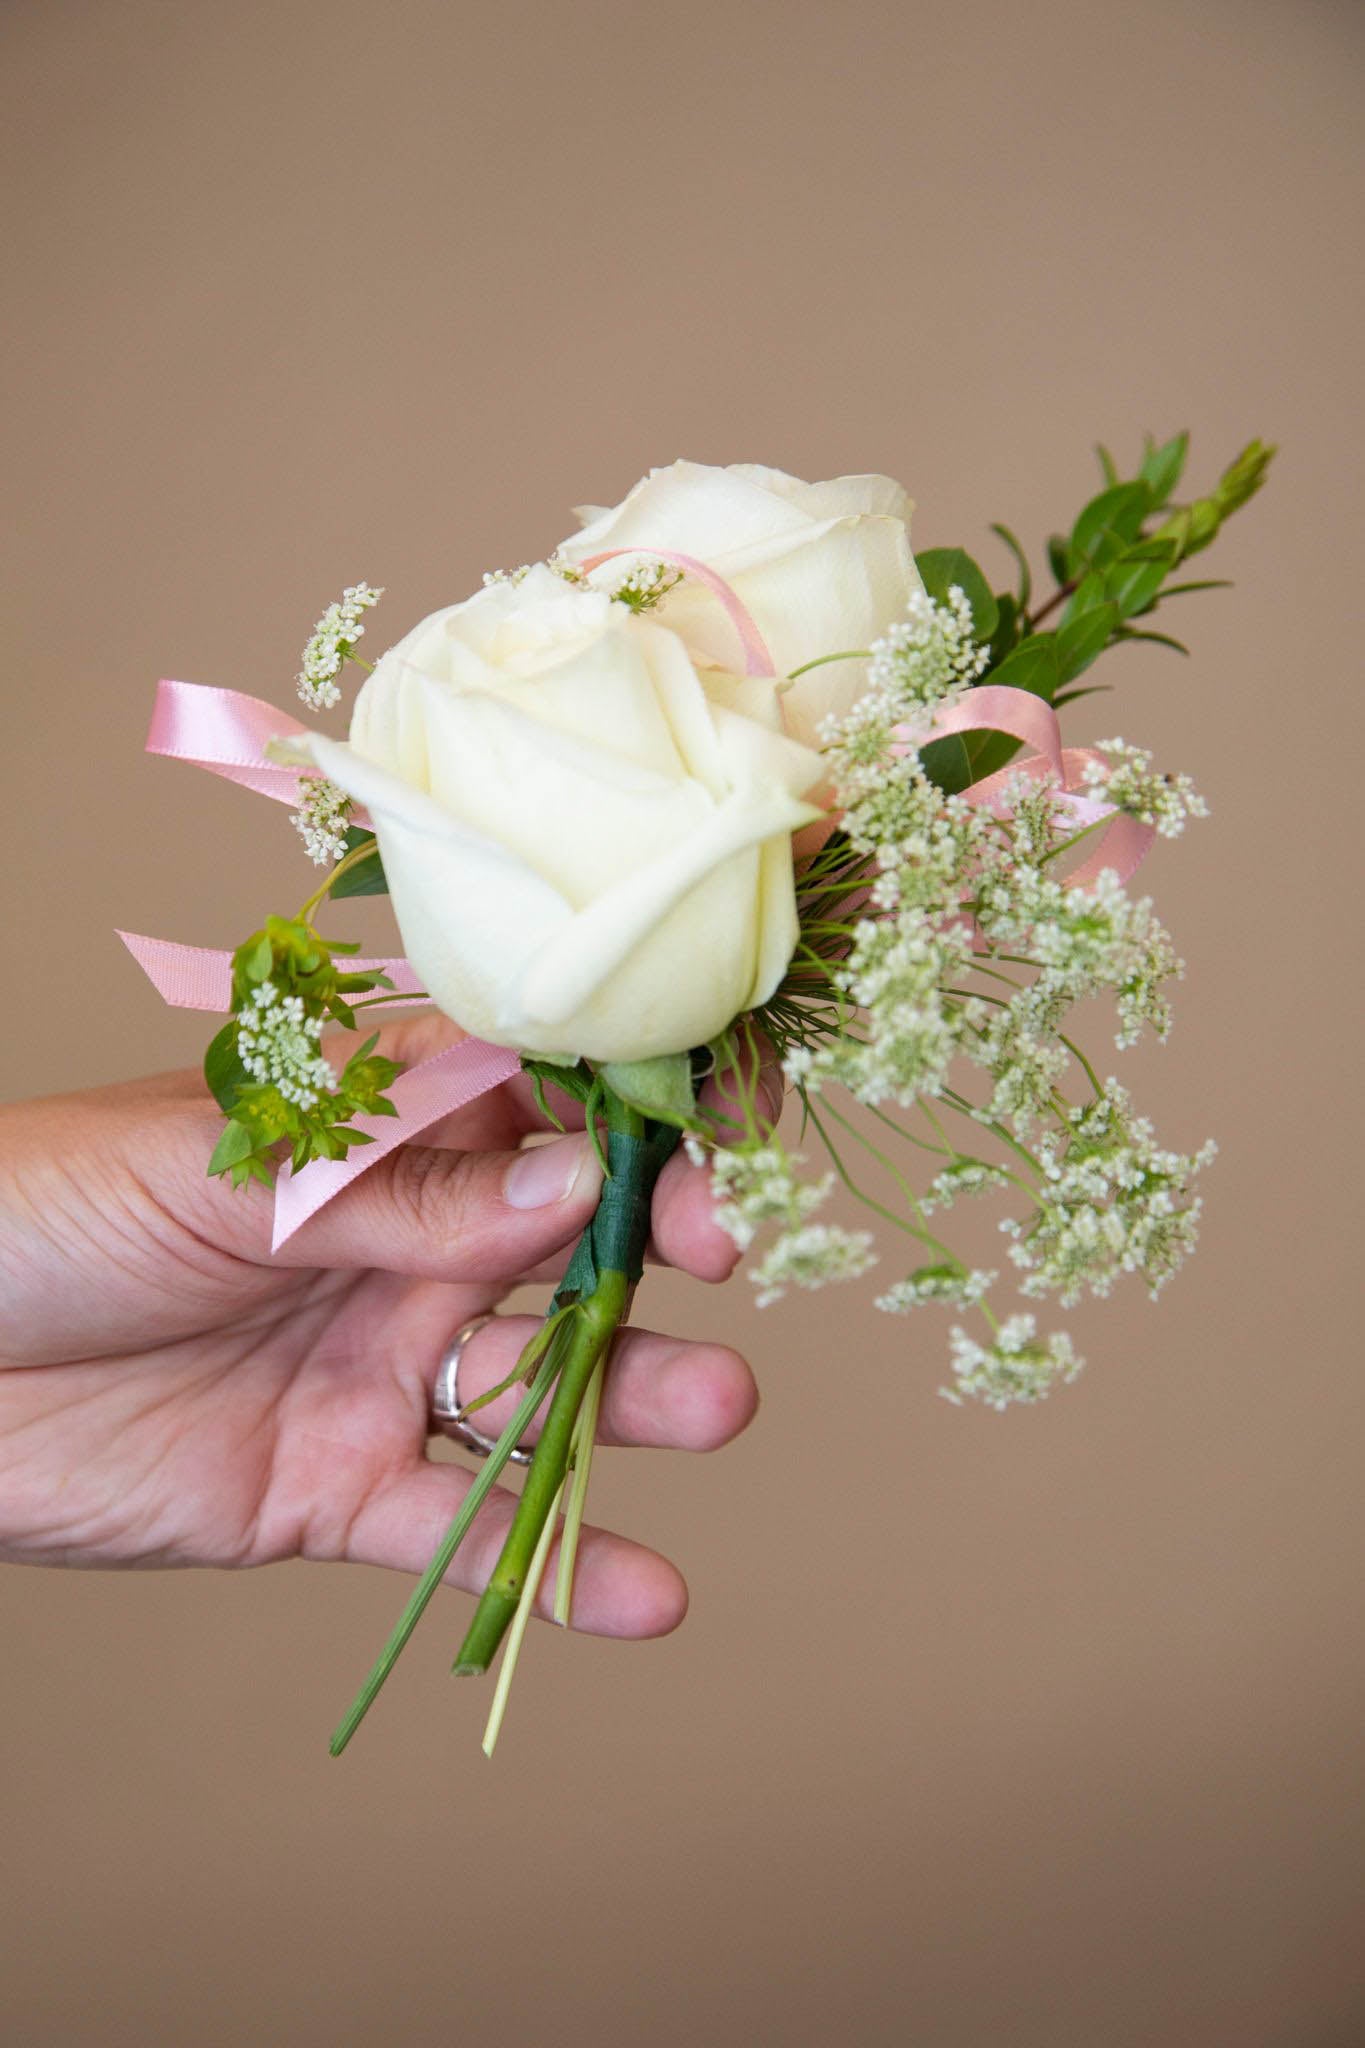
{"x": 343, "y": 866}
{"x": 922, "y": 1232}
{"x": 591, "y": 1332}
{"x": 849, "y": 654}
{"x": 440, "y": 1564}
{"x": 507, "y": 1669}
{"x": 861, "y": 1194}
{"x": 585, "y": 1436}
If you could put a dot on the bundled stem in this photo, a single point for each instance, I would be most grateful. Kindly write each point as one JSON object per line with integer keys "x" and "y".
{"x": 566, "y": 1355}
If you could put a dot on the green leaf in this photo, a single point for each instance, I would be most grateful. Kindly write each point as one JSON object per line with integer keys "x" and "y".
{"x": 367, "y": 877}
{"x": 941, "y": 568}
{"x": 1059, "y": 558}
{"x": 1006, "y": 630}
{"x": 1090, "y": 690}
{"x": 1110, "y": 522}
{"x": 660, "y": 1088}
{"x": 256, "y": 959}
{"x": 1032, "y": 666}
{"x": 1163, "y": 467}
{"x": 1084, "y": 639}
{"x": 947, "y": 763}
{"x": 1025, "y": 573}
{"x": 223, "y": 1069}
{"x": 1162, "y": 639}
{"x": 1133, "y": 585}
{"x": 234, "y": 1145}
{"x": 1109, "y": 469}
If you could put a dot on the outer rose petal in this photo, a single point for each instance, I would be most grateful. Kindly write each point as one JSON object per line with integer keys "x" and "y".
{"x": 662, "y": 960}
{"x": 821, "y": 567}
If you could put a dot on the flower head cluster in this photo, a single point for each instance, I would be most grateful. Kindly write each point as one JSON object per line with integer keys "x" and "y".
{"x": 897, "y": 975}
{"x": 956, "y": 1285}
{"x": 757, "y": 1185}
{"x": 645, "y": 585}
{"x": 322, "y": 818}
{"x": 928, "y": 658}
{"x": 962, "y": 1176}
{"x": 277, "y": 1042}
{"x": 1132, "y": 784}
{"x": 1085, "y": 939}
{"x": 814, "y": 1256}
{"x": 333, "y": 639}
{"x": 1016, "y": 1366}
{"x": 1111, "y": 1201}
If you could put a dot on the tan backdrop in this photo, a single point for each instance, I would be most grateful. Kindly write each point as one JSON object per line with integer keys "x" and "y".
{"x": 1040, "y": 1729}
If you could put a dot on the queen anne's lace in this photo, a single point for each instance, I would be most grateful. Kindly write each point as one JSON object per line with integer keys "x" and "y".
{"x": 277, "y": 1043}
{"x": 333, "y": 638}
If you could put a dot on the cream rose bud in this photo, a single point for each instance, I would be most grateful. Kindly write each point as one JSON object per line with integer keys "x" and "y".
{"x": 820, "y": 567}
{"x": 586, "y": 855}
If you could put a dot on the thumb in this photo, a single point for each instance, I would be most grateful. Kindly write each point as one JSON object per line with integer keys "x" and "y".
{"x": 443, "y": 1215}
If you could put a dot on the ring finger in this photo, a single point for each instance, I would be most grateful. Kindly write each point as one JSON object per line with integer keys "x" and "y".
{"x": 669, "y": 1393}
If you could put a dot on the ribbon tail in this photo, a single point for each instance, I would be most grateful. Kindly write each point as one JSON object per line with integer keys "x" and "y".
{"x": 200, "y": 977}
{"x": 422, "y": 1096}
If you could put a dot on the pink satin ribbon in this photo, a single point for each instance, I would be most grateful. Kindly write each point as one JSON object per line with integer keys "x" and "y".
{"x": 422, "y": 1095}
{"x": 1124, "y": 843}
{"x": 757, "y": 660}
{"x": 227, "y": 733}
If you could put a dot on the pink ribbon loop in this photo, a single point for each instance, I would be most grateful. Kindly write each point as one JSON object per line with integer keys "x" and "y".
{"x": 995, "y": 707}
{"x": 757, "y": 660}
{"x": 200, "y": 977}
{"x": 225, "y": 732}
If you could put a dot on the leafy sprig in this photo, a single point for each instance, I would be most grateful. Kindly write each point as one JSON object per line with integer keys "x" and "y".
{"x": 1112, "y": 570}
{"x": 265, "y": 1069}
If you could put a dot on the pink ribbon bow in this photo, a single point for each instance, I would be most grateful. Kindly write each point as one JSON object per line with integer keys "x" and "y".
{"x": 227, "y": 733}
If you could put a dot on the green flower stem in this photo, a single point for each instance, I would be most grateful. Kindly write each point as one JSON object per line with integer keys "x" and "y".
{"x": 585, "y": 1436}
{"x": 343, "y": 866}
{"x": 594, "y": 1327}
{"x": 508, "y": 1666}
{"x": 599, "y": 1281}
{"x": 440, "y": 1564}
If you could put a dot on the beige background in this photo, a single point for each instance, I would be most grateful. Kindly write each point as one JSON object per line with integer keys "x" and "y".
{"x": 1043, "y": 1729}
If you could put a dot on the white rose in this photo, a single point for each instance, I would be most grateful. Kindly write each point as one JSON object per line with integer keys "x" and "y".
{"x": 586, "y": 856}
{"x": 819, "y": 567}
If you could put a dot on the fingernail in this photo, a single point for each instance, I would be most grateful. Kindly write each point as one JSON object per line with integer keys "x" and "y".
{"x": 546, "y": 1173}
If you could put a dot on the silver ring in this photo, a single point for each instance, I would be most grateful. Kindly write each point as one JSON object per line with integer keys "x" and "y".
{"x": 445, "y": 1399}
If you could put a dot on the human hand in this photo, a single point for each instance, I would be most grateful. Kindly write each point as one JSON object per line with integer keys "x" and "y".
{"x": 171, "y": 1394}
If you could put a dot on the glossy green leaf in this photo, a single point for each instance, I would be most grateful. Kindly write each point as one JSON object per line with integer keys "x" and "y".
{"x": 1032, "y": 666}
{"x": 235, "y": 1144}
{"x": 1110, "y": 522}
{"x": 1133, "y": 585}
{"x": 947, "y": 763}
{"x": 1163, "y": 467}
{"x": 367, "y": 877}
{"x": 223, "y": 1069}
{"x": 941, "y": 568}
{"x": 1084, "y": 639}
{"x": 1025, "y": 573}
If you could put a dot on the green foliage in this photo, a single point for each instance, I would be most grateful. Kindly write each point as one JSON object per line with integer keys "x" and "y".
{"x": 367, "y": 877}
{"x": 1112, "y": 569}
{"x": 659, "y": 1088}
{"x": 941, "y": 568}
{"x": 288, "y": 958}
